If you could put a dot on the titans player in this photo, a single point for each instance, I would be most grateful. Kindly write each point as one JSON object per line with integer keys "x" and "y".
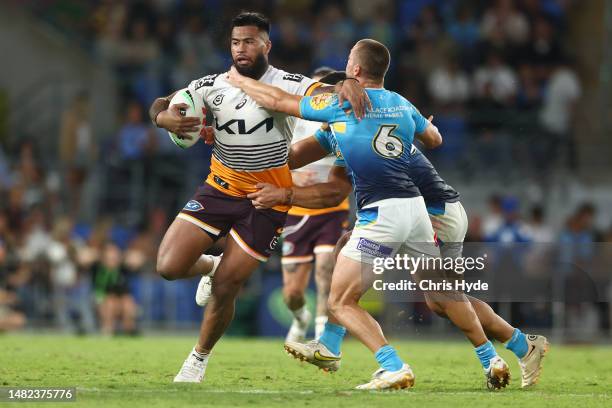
{"x": 391, "y": 211}
{"x": 448, "y": 219}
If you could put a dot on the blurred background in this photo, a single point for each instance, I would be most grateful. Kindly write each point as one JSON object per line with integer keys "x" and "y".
{"x": 520, "y": 89}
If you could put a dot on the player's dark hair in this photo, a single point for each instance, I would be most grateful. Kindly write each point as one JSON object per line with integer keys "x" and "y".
{"x": 333, "y": 77}
{"x": 322, "y": 71}
{"x": 374, "y": 58}
{"x": 249, "y": 18}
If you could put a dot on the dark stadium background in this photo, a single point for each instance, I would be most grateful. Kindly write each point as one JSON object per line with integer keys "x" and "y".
{"x": 519, "y": 89}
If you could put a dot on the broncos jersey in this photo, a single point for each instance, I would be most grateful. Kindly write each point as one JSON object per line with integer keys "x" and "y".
{"x": 251, "y": 143}
{"x": 376, "y": 149}
{"x": 312, "y": 173}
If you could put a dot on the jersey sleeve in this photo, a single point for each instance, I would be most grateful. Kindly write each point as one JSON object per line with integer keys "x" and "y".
{"x": 297, "y": 84}
{"x": 419, "y": 121}
{"x": 323, "y": 137}
{"x": 202, "y": 86}
{"x": 321, "y": 108}
{"x": 339, "y": 159}
{"x": 328, "y": 143}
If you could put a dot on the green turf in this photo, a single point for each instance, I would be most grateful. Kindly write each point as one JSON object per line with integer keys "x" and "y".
{"x": 138, "y": 372}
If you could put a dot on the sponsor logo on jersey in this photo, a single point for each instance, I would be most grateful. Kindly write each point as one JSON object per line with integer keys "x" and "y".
{"x": 221, "y": 182}
{"x": 218, "y": 100}
{"x": 373, "y": 248}
{"x": 274, "y": 242}
{"x": 322, "y": 101}
{"x": 193, "y": 205}
{"x": 241, "y": 104}
{"x": 293, "y": 77}
{"x": 208, "y": 80}
{"x": 242, "y": 130}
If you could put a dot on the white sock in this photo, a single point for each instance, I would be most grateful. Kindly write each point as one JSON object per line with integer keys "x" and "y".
{"x": 299, "y": 313}
{"x": 210, "y": 258}
{"x": 320, "y": 325}
{"x": 198, "y": 355}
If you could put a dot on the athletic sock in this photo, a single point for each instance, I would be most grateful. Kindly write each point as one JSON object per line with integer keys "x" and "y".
{"x": 485, "y": 353}
{"x": 332, "y": 337}
{"x": 200, "y": 356}
{"x": 299, "y": 313}
{"x": 211, "y": 259}
{"x": 388, "y": 359}
{"x": 518, "y": 344}
{"x": 320, "y": 325}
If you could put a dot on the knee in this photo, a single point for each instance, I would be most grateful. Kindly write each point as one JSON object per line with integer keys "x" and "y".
{"x": 292, "y": 295}
{"x": 166, "y": 269}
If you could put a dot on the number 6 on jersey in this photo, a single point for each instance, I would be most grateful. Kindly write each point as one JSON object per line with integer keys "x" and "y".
{"x": 386, "y": 144}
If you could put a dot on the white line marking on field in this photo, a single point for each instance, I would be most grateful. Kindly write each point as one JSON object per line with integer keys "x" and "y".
{"x": 344, "y": 392}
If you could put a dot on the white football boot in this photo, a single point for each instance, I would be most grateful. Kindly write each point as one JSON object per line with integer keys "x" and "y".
{"x": 498, "y": 373}
{"x": 193, "y": 368}
{"x": 531, "y": 363}
{"x": 314, "y": 352}
{"x": 204, "y": 291}
{"x": 390, "y": 380}
{"x": 299, "y": 327}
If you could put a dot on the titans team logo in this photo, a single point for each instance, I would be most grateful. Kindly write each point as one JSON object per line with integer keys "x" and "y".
{"x": 322, "y": 101}
{"x": 193, "y": 205}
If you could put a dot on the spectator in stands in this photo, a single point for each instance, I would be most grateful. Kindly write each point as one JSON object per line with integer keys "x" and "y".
{"x": 464, "y": 29}
{"x": 558, "y": 112}
{"x": 290, "y": 44}
{"x": 334, "y": 34}
{"x": 11, "y": 318}
{"x": 449, "y": 85}
{"x": 77, "y": 149}
{"x": 537, "y": 228}
{"x": 135, "y": 136}
{"x": 115, "y": 302}
{"x": 71, "y": 290}
{"x": 505, "y": 18}
{"x": 140, "y": 47}
{"x": 496, "y": 81}
{"x": 543, "y": 49}
{"x": 493, "y": 218}
{"x": 512, "y": 229}
{"x": 194, "y": 39}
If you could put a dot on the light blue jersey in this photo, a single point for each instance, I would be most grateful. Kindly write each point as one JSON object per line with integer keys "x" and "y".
{"x": 433, "y": 188}
{"x": 375, "y": 150}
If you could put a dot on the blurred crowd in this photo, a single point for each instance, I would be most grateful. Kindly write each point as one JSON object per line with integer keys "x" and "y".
{"x": 78, "y": 237}
{"x": 484, "y": 69}
{"x": 76, "y": 277}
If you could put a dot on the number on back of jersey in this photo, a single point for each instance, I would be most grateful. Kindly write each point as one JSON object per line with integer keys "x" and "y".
{"x": 387, "y": 144}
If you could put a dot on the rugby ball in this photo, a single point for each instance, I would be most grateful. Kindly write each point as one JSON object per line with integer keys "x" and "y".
{"x": 195, "y": 108}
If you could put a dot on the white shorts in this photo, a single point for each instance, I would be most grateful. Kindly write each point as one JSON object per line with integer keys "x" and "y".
{"x": 450, "y": 228}
{"x": 389, "y": 226}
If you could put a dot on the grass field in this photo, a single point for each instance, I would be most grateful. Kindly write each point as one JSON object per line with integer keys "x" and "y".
{"x": 256, "y": 372}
